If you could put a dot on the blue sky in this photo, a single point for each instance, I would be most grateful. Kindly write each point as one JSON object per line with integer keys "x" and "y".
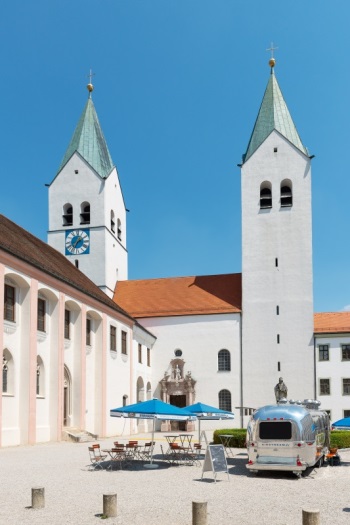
{"x": 178, "y": 86}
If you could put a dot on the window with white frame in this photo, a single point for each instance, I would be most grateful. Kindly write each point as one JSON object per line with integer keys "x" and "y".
{"x": 7, "y": 372}
{"x": 323, "y": 352}
{"x": 346, "y": 386}
{"x": 148, "y": 357}
{"x": 225, "y": 400}
{"x": 67, "y": 324}
{"x": 124, "y": 342}
{"x": 88, "y": 331}
{"x": 224, "y": 361}
{"x": 41, "y": 315}
{"x": 113, "y": 338}
{"x": 140, "y": 353}
{"x": 345, "y": 352}
{"x": 325, "y": 387}
{"x": 9, "y": 303}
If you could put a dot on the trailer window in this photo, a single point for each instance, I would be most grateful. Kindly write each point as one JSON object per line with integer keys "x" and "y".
{"x": 275, "y": 430}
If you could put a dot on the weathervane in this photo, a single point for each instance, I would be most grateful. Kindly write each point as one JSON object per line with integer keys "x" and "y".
{"x": 272, "y": 60}
{"x": 90, "y": 87}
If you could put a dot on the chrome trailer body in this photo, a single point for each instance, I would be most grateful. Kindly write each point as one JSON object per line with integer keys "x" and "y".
{"x": 287, "y": 437}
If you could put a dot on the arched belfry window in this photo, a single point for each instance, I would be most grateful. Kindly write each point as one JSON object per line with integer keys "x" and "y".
{"x": 224, "y": 361}
{"x": 119, "y": 230}
{"x": 85, "y": 213}
{"x": 265, "y": 195}
{"x": 286, "y": 194}
{"x": 112, "y": 221}
{"x": 67, "y": 216}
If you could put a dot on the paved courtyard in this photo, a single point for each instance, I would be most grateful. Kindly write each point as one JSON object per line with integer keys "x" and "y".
{"x": 74, "y": 494}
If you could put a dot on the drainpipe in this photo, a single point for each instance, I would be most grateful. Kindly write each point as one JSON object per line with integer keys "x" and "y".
{"x": 315, "y": 378}
{"x": 241, "y": 367}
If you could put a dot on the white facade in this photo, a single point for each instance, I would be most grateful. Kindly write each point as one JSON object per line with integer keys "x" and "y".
{"x": 78, "y": 185}
{"x": 194, "y": 342}
{"x": 333, "y": 374}
{"x": 53, "y": 381}
{"x": 277, "y": 295}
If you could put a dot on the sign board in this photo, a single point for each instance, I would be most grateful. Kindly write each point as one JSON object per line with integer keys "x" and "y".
{"x": 203, "y": 437}
{"x": 215, "y": 460}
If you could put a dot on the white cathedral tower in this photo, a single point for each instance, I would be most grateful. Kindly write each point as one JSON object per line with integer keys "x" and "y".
{"x": 87, "y": 215}
{"x": 277, "y": 290}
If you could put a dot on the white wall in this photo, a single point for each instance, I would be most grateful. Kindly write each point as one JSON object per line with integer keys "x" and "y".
{"x": 200, "y": 337}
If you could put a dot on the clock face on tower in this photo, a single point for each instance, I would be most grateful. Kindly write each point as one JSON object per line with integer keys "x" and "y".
{"x": 77, "y": 242}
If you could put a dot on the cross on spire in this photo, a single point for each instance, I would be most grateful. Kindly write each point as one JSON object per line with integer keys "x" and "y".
{"x": 272, "y": 49}
{"x": 90, "y": 86}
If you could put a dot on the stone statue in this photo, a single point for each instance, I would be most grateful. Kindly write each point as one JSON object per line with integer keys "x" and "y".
{"x": 281, "y": 390}
{"x": 177, "y": 373}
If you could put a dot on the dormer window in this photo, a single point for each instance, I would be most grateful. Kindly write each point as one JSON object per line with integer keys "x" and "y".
{"x": 67, "y": 216}
{"x": 265, "y": 195}
{"x": 286, "y": 194}
{"x": 85, "y": 213}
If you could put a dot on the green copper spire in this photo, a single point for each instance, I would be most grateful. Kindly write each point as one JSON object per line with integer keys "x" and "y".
{"x": 273, "y": 114}
{"x": 89, "y": 142}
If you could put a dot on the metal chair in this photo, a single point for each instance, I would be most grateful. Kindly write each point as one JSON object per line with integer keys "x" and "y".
{"x": 96, "y": 457}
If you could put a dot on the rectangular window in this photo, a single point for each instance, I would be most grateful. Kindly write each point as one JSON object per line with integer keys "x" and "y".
{"x": 140, "y": 353}
{"x": 275, "y": 430}
{"x": 148, "y": 357}
{"x": 113, "y": 338}
{"x": 346, "y": 387}
{"x": 41, "y": 315}
{"x": 325, "y": 387}
{"x": 88, "y": 332}
{"x": 278, "y": 339}
{"x": 278, "y": 366}
{"x": 346, "y": 413}
{"x": 323, "y": 352}
{"x": 345, "y": 352}
{"x": 124, "y": 341}
{"x": 67, "y": 324}
{"x": 277, "y": 310}
{"x": 276, "y": 262}
{"x": 9, "y": 303}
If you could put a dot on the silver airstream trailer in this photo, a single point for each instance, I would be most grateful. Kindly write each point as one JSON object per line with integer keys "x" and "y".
{"x": 288, "y": 436}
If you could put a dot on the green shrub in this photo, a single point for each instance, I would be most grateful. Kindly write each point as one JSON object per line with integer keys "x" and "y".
{"x": 340, "y": 438}
{"x": 237, "y": 440}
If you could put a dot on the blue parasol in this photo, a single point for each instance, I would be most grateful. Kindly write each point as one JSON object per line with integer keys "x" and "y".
{"x": 202, "y": 411}
{"x": 342, "y": 424}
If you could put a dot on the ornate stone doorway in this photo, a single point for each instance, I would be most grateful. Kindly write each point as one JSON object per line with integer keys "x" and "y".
{"x": 177, "y": 388}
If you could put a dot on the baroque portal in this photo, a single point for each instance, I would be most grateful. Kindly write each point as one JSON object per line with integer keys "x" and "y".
{"x": 177, "y": 388}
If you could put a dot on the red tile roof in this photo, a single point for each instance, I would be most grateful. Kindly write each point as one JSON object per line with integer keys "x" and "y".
{"x": 22, "y": 244}
{"x": 198, "y": 295}
{"x": 332, "y": 322}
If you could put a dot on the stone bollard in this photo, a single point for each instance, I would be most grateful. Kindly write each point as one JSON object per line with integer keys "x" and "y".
{"x": 38, "y": 498}
{"x": 110, "y": 505}
{"x": 311, "y": 517}
{"x": 199, "y": 513}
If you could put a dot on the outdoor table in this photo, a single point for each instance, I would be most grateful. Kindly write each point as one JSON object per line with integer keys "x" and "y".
{"x": 225, "y": 440}
{"x": 185, "y": 440}
{"x": 170, "y": 439}
{"x": 116, "y": 455}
